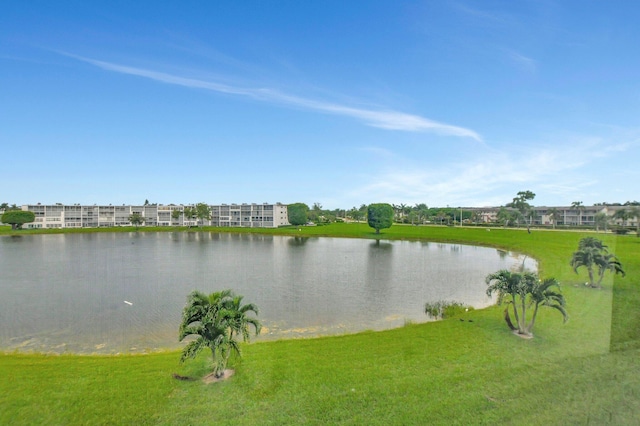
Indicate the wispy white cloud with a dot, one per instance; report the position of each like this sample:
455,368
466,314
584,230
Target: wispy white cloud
379,152
493,17
524,62
558,172
384,119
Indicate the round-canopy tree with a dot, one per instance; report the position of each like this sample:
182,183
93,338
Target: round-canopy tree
175,215
136,219
297,213
203,212
17,218
380,216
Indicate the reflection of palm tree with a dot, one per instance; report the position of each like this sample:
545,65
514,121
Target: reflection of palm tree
592,242
608,262
592,253
585,257
297,241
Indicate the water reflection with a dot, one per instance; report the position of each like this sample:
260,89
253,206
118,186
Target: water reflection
297,241
108,292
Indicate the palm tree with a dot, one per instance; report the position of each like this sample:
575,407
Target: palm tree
405,210
396,212
623,215
547,293
554,215
239,322
601,219
505,283
577,205
423,211
505,215
215,319
526,290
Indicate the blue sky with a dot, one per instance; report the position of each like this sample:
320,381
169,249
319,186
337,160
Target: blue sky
459,103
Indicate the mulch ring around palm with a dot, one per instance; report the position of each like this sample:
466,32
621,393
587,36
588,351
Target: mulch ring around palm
211,378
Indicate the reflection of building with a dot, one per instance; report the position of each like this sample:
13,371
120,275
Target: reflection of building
570,216
77,216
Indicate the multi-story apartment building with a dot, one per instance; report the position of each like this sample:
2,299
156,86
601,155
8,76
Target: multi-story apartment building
232,215
568,216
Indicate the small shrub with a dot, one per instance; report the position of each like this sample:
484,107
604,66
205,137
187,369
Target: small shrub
455,309
445,309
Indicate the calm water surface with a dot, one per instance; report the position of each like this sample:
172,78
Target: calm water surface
67,293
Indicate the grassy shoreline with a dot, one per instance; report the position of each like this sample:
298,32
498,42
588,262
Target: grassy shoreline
449,372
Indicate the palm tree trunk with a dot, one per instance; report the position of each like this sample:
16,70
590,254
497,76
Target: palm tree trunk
507,318
228,355
515,310
591,280
213,358
533,319
522,328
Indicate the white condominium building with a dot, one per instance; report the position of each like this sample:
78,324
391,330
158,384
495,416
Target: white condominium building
226,215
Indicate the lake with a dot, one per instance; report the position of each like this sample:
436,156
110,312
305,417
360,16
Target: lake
124,292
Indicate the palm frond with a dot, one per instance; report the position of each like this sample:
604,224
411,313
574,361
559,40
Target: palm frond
190,329
193,348
561,309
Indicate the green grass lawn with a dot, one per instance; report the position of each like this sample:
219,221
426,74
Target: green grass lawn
449,372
